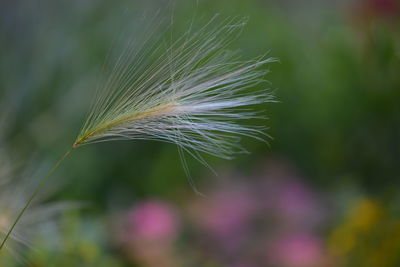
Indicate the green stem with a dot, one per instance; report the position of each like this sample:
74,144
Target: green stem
38,188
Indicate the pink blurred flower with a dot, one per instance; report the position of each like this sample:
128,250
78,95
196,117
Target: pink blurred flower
297,205
368,10
224,218
288,198
384,6
151,228
243,264
153,220
226,213
297,250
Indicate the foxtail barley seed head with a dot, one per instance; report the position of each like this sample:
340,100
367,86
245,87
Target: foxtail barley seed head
193,93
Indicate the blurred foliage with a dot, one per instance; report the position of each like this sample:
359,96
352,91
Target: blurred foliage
337,120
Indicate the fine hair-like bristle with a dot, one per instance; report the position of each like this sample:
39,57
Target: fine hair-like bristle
193,94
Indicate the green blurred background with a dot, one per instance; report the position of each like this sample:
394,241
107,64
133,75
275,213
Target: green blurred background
335,134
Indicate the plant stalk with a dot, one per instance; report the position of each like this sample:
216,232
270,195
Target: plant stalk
37,190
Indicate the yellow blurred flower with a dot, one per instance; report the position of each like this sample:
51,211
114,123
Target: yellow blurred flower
369,236
342,240
365,214
89,251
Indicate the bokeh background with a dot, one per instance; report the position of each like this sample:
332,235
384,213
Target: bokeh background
323,192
